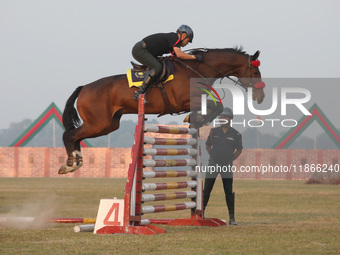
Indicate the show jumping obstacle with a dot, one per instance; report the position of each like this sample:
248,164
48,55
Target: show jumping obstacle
135,187
17,219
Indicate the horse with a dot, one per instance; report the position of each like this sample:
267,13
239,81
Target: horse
102,103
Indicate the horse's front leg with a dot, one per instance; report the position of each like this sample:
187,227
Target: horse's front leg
212,112
197,119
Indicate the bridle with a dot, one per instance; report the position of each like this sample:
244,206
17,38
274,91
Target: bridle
251,84
224,75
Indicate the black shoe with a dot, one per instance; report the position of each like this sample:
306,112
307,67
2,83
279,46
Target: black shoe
136,97
232,220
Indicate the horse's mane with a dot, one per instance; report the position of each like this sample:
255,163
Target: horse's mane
236,49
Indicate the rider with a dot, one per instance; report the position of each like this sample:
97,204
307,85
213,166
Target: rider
147,50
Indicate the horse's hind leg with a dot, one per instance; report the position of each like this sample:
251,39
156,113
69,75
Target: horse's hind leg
77,156
75,159
73,137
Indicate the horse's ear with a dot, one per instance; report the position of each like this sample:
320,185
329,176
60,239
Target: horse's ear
256,55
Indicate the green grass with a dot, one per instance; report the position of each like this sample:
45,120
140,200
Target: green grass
275,217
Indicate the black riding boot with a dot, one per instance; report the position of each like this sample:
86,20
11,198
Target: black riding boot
149,78
230,199
205,202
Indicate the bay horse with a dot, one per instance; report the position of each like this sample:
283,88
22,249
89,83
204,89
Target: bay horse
102,103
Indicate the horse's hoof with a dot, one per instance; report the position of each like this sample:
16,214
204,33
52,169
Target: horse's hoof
76,168
65,169
187,118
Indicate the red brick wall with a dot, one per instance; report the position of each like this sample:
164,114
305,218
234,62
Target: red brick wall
113,162
45,162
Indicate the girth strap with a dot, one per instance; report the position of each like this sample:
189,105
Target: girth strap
168,109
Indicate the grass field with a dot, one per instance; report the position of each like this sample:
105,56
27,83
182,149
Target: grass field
275,217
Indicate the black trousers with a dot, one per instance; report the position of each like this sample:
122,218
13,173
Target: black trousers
142,55
210,178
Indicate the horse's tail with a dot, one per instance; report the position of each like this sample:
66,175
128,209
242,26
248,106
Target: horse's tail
70,116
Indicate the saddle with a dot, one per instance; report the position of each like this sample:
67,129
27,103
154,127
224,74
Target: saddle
138,72
136,76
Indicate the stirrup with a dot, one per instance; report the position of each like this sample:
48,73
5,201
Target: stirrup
136,97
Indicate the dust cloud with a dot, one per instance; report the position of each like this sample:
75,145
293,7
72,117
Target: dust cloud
35,213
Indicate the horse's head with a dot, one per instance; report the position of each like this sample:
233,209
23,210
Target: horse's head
250,77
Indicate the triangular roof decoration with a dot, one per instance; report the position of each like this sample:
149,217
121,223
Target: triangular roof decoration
52,112
304,122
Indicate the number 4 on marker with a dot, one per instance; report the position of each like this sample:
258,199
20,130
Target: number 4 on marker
113,210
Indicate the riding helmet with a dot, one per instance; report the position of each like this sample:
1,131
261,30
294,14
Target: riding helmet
186,29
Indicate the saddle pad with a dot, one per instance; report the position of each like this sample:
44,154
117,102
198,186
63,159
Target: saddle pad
135,78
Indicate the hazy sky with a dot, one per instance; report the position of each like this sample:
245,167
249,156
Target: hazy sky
48,48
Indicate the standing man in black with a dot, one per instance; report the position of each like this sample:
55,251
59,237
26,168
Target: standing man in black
147,50
224,145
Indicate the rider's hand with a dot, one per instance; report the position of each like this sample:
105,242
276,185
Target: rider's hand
199,58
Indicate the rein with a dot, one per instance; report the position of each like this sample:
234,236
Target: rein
224,75
189,67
